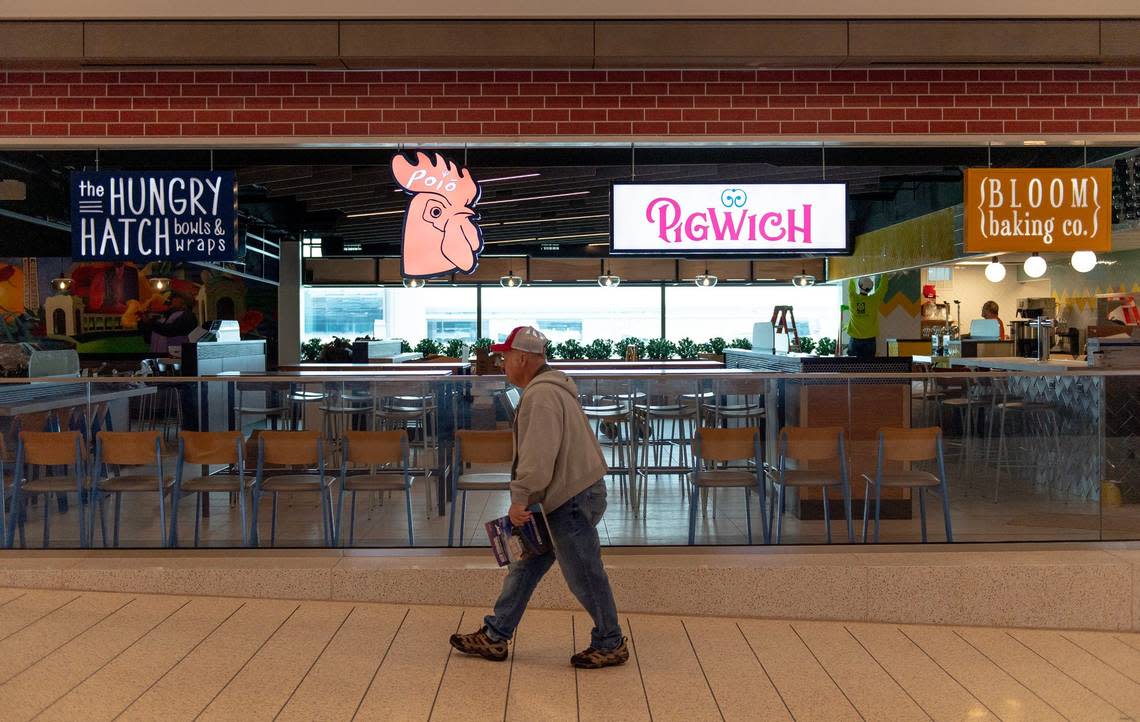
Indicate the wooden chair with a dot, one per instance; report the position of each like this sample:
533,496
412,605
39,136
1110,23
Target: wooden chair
291,448
820,444
208,448
477,447
722,446
374,448
132,449
48,449
908,445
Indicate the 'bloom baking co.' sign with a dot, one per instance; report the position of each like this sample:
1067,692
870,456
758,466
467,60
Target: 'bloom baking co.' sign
150,216
686,219
1038,209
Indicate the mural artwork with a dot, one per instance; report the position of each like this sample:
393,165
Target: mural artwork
440,234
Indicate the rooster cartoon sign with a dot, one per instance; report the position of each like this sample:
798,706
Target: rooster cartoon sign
440,232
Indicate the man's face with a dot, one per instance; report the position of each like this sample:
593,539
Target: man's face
516,365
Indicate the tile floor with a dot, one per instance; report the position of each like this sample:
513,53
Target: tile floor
100,656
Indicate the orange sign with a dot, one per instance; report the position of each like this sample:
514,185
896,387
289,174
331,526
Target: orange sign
1038,209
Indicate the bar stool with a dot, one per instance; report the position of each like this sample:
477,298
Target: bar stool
48,449
412,414
299,398
343,410
374,449
613,427
208,448
721,446
1038,420
127,448
265,406
818,444
291,448
477,447
908,446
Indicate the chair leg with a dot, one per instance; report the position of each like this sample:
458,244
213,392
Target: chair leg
273,523
241,515
462,516
826,513
408,508
254,516
47,521
451,518
780,514
847,512
326,516
866,508
693,514
748,511
352,519
922,511
118,514
946,513
172,536
197,518
878,509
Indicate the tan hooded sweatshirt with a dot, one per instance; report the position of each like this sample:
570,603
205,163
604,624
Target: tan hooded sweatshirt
556,452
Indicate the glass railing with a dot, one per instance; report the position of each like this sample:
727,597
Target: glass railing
692,456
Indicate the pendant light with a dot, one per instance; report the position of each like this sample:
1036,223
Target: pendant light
607,279
803,279
62,284
414,282
510,280
1035,266
159,284
995,272
1083,261
706,279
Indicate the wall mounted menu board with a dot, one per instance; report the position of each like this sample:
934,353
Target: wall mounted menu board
725,219
149,216
1038,209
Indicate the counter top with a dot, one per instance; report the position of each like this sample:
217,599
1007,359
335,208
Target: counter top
1016,363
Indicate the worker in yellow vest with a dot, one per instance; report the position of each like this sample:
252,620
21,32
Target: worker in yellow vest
864,299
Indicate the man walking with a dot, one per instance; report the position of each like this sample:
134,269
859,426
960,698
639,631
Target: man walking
559,464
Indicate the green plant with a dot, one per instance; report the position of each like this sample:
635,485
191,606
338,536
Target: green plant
716,345
571,350
453,347
428,347
311,350
704,348
807,344
631,341
339,350
660,349
599,349
482,344
405,347
741,343
825,346
687,348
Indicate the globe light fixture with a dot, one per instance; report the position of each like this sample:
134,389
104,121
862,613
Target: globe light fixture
803,279
61,284
159,284
706,279
510,280
1083,261
414,283
1035,266
608,280
995,272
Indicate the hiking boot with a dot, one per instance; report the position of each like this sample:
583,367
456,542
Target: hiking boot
591,658
480,644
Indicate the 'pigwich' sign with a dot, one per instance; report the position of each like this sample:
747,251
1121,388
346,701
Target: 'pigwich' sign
1038,209
151,216
691,219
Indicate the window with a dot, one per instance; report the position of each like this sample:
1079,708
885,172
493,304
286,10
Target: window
408,313
347,312
730,311
582,313
446,329
310,247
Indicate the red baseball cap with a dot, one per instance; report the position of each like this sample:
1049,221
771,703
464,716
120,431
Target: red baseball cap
522,338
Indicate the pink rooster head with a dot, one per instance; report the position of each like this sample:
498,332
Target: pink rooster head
440,234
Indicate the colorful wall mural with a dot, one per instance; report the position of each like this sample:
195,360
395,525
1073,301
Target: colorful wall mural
114,308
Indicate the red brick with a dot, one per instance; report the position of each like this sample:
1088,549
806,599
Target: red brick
960,113
1127,126
49,90
1086,100
631,114
935,101
25,116
350,128
798,88
924,114
176,77
575,128
275,128
137,116
434,115
886,114
199,129
1092,88
886,75
1035,74
799,127
1046,101
686,88
770,76
1096,126
538,128
551,114
100,116
1001,74
532,102
787,101
162,129
961,74
49,129
1059,126
350,89
312,128
948,126
162,91
687,128
737,114
266,116
232,129
923,74
849,114
984,126
613,128
998,113
1064,88
591,115
700,114
399,128
837,127
973,100
811,114
343,103
775,114
481,102
326,116
861,101
15,129
1122,100
750,101
311,89
63,77
910,88
201,76
501,128
1021,88
635,101
873,88
1011,101
76,103
898,101
1108,74
124,90
37,103
87,129
700,76
517,114
410,102
1035,114
762,128
251,76
1070,74
204,90
448,102
761,88
651,128
1022,126
66,116
288,76
711,101
824,101
1071,113
263,103
726,76
537,89
198,103
664,101
610,89
985,88
1108,113
175,116
836,88
77,90
1130,86
554,76
666,114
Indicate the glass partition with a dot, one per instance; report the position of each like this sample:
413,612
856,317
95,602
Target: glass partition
413,458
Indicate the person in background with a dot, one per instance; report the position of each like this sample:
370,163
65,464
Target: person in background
990,311
865,297
171,328
559,464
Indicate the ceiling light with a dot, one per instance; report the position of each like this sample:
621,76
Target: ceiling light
414,282
1035,266
510,280
508,177
608,280
706,279
1083,261
533,198
373,213
803,279
159,284
61,284
995,272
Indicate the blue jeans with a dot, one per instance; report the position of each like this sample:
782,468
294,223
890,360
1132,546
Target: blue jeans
861,347
579,555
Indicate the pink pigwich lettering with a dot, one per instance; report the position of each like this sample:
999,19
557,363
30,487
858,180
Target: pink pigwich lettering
673,225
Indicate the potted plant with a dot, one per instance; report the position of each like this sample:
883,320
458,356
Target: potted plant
599,349
571,350
453,347
339,350
825,347
660,349
687,348
484,361
713,349
623,348
428,347
741,343
807,344
311,350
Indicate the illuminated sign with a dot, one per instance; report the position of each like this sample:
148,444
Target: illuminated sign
1038,209
690,219
440,235
181,216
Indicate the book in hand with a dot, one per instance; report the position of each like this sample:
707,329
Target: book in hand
510,543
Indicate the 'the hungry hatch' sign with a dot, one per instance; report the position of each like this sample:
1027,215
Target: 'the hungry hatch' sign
149,216
686,219
1038,209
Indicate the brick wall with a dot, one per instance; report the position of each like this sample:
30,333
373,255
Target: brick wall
416,104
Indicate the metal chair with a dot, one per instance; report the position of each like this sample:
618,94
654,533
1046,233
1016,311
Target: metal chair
264,406
477,447
133,449
47,449
291,448
908,445
208,448
374,448
818,444
723,446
